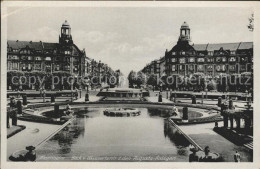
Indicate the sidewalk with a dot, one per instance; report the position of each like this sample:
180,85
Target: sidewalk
14,130
204,135
31,135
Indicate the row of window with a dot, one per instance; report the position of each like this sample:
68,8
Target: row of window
218,68
209,60
210,53
23,57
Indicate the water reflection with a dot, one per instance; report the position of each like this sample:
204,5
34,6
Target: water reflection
92,134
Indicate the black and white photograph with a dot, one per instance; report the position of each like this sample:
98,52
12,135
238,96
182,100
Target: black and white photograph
170,84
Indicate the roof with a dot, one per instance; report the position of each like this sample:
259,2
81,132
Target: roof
184,25
22,44
246,45
225,46
47,45
66,24
200,47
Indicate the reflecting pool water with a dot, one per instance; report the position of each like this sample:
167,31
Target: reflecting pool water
92,136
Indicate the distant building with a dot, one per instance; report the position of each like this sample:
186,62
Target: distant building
210,59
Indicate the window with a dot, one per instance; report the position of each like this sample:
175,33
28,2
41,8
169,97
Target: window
48,58
201,60
37,66
224,59
233,52
173,68
191,67
182,53
223,67
15,66
200,68
232,59
57,67
232,67
209,67
173,59
210,53
218,59
191,60
209,60
182,60
173,53
181,67
30,58
38,58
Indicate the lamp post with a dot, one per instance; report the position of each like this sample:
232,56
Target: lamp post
167,96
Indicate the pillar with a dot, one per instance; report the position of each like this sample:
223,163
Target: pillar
219,101
231,118
7,122
185,114
19,107
14,119
193,99
52,98
230,104
56,109
202,97
238,122
225,120
86,97
25,100
160,97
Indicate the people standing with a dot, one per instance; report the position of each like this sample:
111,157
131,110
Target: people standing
237,157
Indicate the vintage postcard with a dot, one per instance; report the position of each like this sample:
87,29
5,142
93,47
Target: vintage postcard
129,85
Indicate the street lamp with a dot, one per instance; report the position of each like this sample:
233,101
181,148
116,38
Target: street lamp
167,92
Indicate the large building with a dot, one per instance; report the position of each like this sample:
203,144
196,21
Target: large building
45,56
211,59
52,57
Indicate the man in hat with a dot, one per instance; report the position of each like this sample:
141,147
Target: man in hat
31,154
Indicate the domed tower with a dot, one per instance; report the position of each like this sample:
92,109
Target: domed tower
65,37
184,32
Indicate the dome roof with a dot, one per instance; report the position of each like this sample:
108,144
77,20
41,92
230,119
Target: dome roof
185,25
66,24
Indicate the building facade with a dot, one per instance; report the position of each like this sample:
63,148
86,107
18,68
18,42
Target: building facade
52,57
211,59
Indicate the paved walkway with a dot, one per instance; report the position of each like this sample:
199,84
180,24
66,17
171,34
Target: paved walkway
31,135
204,135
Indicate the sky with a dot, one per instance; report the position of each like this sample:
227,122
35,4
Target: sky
127,38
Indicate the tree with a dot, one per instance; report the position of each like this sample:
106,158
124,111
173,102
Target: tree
251,23
152,80
13,79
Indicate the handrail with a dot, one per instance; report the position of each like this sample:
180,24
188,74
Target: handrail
185,135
